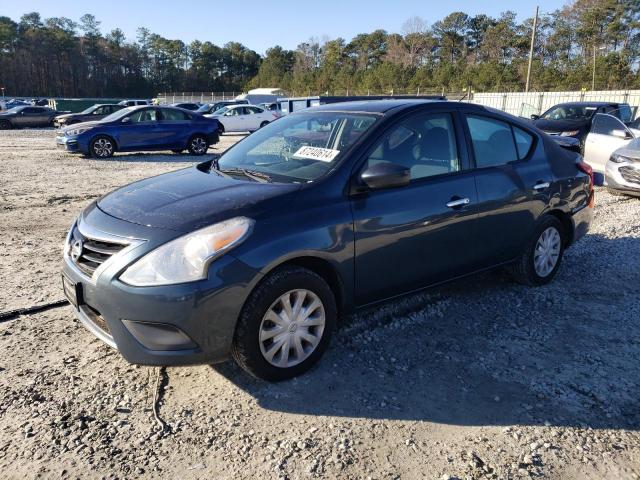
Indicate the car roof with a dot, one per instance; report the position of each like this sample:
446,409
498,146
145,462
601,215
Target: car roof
377,106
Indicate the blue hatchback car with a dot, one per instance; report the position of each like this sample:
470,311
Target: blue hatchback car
141,128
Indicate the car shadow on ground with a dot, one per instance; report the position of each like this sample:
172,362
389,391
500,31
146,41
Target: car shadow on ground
484,351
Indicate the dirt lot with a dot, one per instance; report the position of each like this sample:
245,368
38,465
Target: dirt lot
478,379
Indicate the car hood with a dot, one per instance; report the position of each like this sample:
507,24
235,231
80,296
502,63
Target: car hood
81,125
559,125
630,150
192,198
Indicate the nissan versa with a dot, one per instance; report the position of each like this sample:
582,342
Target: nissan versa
329,209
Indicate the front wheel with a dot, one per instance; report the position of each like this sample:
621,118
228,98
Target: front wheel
102,147
264,123
540,261
198,145
285,325
5,125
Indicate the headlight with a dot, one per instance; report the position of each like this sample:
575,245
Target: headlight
570,133
77,131
187,258
615,158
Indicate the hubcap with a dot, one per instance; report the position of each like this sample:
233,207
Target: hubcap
292,328
102,147
199,145
547,252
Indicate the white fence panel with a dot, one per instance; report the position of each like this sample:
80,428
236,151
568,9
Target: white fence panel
524,104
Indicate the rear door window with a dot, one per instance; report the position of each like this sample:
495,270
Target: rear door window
170,115
496,142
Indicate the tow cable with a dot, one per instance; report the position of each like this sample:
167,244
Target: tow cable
11,314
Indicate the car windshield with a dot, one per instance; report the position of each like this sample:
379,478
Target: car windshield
221,111
569,112
299,148
118,114
204,108
87,111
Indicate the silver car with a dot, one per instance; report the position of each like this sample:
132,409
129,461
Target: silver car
612,149
622,170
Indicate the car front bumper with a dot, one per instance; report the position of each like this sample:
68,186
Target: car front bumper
623,177
70,144
180,324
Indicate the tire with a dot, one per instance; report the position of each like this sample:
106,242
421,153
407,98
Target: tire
102,147
220,129
264,123
531,269
5,125
296,283
198,145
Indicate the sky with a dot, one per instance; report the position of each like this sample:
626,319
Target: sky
263,24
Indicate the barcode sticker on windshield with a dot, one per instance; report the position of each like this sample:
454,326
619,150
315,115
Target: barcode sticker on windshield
317,153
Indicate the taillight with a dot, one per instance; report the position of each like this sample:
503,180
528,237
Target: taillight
586,168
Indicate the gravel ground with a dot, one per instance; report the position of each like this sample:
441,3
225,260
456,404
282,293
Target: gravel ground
478,379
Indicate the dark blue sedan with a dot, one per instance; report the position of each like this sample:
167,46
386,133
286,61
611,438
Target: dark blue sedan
141,128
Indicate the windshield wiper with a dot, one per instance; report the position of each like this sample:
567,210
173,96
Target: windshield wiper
252,174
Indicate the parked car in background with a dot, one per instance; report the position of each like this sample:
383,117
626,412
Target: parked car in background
141,128
242,118
187,106
209,108
622,170
329,209
573,119
611,150
133,103
272,107
28,116
93,113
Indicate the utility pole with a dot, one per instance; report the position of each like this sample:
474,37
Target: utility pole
533,42
593,78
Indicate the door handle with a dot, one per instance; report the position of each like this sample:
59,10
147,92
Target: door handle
458,202
541,185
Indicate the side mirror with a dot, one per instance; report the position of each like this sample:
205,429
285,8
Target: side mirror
386,175
535,117
126,120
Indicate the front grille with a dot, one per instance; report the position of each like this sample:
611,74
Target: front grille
93,252
96,318
630,174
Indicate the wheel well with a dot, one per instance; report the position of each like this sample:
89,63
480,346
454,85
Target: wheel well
566,222
115,144
328,273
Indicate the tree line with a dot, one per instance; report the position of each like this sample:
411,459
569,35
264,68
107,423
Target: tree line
60,57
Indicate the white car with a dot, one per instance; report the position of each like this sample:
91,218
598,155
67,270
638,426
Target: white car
242,118
606,135
612,149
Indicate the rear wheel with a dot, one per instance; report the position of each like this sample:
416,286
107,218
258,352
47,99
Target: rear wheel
5,125
198,145
285,325
540,261
102,147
